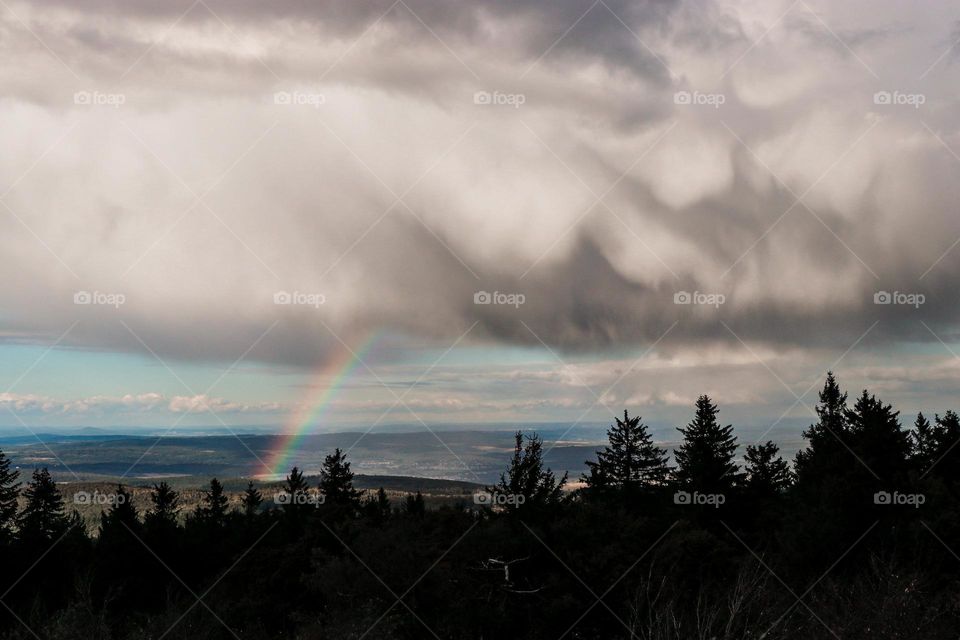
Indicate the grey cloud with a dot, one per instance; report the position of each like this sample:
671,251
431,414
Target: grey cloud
304,209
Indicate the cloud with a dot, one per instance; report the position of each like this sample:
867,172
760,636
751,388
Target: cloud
382,185
131,404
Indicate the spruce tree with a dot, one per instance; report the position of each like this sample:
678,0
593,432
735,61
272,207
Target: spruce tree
121,518
526,483
166,506
767,474
881,445
295,490
382,502
213,505
946,458
826,454
414,505
252,499
923,441
9,492
705,459
336,481
42,518
377,507
630,461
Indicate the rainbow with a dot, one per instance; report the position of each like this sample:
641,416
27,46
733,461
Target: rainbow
323,388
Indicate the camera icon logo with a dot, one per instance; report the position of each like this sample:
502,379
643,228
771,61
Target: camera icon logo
882,97
681,497
82,297
282,297
682,97
881,497
882,297
682,297
82,97
482,297
482,498
482,97
282,97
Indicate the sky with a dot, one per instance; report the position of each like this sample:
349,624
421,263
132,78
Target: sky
324,214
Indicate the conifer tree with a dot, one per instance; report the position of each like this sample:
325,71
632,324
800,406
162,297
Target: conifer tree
767,474
527,478
42,518
121,518
252,499
295,482
923,441
213,505
295,490
336,481
630,461
881,445
377,506
705,459
382,502
9,492
826,454
414,505
166,506
946,458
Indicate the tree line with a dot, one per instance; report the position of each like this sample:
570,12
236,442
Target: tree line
851,539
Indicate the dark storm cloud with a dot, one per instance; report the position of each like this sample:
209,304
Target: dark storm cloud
498,197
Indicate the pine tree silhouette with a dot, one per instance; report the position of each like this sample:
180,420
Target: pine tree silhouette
923,440
946,458
826,454
336,481
166,507
121,518
213,505
705,458
42,518
252,499
9,492
630,461
295,490
414,505
377,507
295,482
527,478
880,443
767,474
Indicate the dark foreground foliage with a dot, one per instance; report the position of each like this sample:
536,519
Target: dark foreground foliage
853,540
